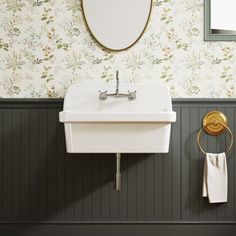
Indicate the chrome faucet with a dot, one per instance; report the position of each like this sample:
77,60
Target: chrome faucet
103,95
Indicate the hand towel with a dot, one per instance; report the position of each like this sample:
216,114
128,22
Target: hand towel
215,178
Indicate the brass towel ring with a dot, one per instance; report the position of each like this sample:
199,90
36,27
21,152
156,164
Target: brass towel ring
215,123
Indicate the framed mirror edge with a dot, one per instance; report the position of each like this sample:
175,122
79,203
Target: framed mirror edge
111,49
208,36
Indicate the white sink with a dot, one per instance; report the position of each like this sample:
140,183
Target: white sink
117,125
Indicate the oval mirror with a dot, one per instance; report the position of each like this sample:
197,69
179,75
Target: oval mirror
116,24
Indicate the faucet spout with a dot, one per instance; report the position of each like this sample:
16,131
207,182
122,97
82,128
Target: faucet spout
117,82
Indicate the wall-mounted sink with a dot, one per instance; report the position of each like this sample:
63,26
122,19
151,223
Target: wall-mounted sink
117,124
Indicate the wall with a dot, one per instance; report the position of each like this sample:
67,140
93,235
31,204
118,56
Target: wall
44,189
44,47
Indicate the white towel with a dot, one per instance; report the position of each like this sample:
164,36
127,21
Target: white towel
215,178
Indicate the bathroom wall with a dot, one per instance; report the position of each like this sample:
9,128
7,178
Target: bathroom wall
45,191
44,47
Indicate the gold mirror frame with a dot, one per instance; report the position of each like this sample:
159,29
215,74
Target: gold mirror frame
110,49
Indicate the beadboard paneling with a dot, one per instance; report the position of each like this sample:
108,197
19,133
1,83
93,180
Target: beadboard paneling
40,182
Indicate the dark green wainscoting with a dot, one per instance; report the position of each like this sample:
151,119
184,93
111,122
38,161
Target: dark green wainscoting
44,191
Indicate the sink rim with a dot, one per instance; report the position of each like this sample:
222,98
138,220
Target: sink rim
117,116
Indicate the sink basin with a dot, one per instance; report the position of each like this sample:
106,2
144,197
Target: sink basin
117,125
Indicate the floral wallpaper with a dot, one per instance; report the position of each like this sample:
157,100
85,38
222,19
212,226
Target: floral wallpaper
45,47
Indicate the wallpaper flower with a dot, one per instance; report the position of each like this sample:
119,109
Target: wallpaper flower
45,47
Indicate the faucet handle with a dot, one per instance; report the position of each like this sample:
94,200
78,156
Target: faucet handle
132,95
102,95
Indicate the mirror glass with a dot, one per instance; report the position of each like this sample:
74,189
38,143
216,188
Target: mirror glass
220,20
116,24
